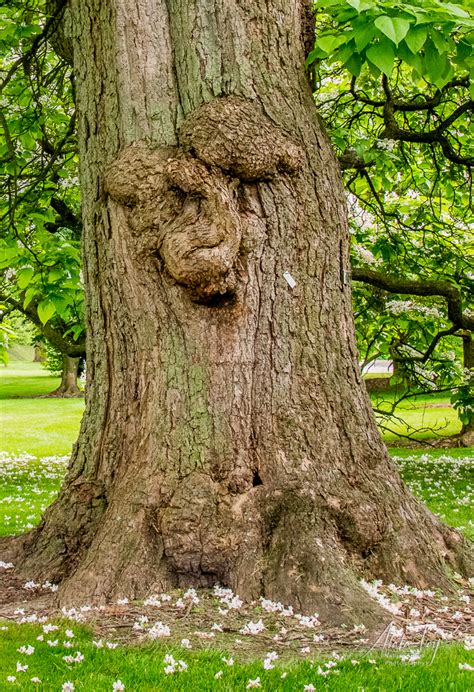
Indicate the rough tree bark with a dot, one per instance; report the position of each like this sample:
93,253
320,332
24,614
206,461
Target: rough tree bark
69,374
228,436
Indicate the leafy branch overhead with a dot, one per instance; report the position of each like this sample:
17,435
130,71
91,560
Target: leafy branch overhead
39,193
393,82
385,46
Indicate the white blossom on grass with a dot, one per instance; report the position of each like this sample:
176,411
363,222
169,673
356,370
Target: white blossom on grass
309,621
78,658
227,598
191,595
173,666
253,683
253,627
118,686
27,650
159,630
140,623
21,668
49,628
68,687
469,643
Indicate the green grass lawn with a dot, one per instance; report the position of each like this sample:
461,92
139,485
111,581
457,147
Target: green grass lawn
143,667
444,480
37,426
425,416
20,379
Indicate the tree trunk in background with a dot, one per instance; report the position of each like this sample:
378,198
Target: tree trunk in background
467,431
69,375
39,354
228,436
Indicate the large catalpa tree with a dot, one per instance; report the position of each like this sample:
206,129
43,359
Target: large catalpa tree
227,436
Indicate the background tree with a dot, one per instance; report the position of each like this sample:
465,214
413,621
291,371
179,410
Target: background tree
39,195
228,435
394,88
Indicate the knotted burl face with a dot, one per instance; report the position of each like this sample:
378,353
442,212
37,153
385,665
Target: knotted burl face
183,200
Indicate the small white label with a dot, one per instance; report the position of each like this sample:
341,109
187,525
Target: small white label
289,279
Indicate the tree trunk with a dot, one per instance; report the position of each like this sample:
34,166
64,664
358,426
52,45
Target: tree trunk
39,353
467,432
69,375
228,436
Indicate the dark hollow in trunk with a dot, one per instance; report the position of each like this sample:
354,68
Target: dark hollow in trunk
228,436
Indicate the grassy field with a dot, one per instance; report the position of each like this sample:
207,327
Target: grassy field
143,668
425,416
36,437
33,425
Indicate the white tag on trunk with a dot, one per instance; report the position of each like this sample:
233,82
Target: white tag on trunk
289,279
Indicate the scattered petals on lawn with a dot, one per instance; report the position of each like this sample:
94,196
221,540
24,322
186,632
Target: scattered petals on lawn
444,483
253,683
27,486
27,650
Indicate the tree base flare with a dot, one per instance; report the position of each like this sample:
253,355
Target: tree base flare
278,545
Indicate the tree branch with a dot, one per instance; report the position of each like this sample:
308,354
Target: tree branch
74,349
440,288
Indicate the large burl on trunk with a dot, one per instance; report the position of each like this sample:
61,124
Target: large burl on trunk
228,436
